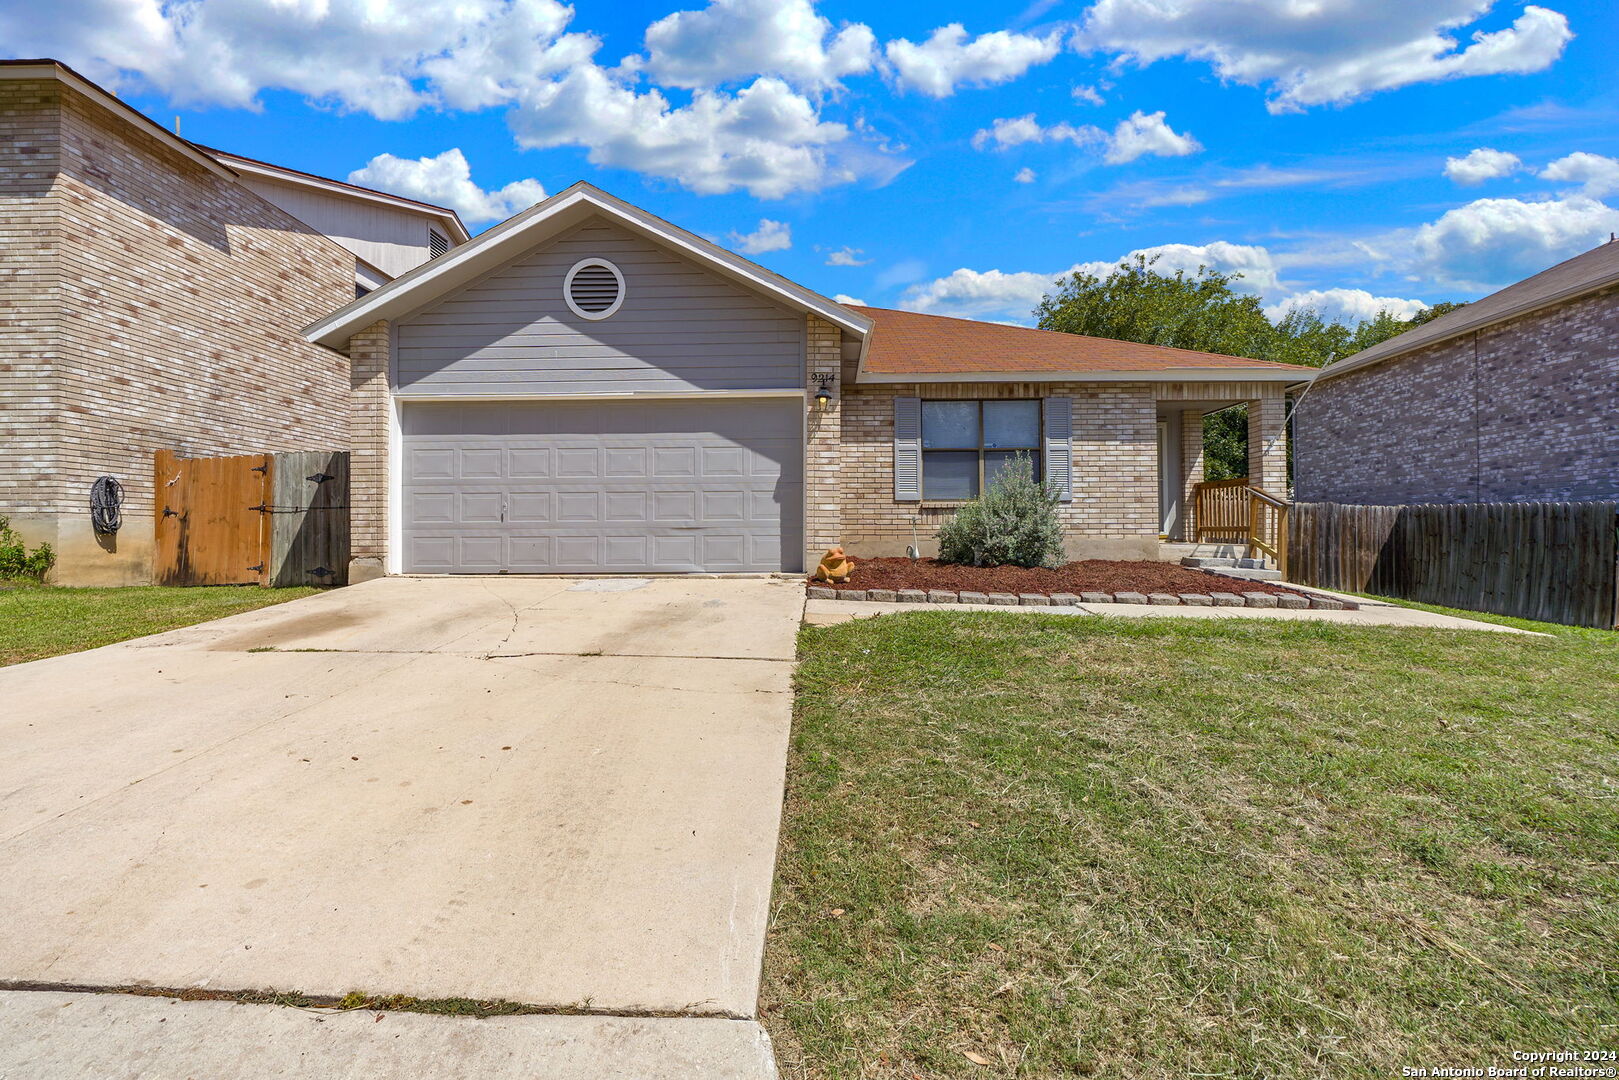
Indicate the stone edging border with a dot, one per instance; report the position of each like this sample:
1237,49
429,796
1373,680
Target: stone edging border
1293,601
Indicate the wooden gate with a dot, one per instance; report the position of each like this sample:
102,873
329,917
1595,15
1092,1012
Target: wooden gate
255,519
210,530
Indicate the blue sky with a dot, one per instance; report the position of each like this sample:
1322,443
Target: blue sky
941,156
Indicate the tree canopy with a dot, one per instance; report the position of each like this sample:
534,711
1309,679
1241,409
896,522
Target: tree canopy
1203,311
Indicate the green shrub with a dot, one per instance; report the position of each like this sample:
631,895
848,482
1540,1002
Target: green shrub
16,561
1014,523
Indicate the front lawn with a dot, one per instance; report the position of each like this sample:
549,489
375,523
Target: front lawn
1028,845
43,620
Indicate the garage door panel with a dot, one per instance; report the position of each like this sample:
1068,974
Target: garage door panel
625,462
579,488
625,507
529,507
481,554
528,462
674,462
485,463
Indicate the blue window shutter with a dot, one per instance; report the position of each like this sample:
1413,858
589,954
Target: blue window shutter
1059,413
907,449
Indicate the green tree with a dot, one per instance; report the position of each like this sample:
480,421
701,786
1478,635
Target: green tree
1203,311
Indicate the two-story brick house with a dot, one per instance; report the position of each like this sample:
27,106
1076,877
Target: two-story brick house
1513,398
151,293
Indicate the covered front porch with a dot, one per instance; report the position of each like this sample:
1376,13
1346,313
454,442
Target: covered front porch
1231,517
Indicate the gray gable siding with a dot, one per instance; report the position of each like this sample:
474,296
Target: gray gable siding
681,327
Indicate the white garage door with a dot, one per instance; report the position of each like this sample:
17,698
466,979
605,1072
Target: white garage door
627,487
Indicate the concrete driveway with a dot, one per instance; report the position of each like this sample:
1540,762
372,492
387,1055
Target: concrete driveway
554,791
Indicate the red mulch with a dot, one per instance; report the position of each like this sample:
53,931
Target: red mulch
1089,575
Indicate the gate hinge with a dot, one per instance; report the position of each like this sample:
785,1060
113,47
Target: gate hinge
321,571
320,478
261,468
257,568
170,512
262,508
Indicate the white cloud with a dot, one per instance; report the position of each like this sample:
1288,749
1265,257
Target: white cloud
1327,51
769,236
737,39
446,180
1147,134
765,138
1348,306
1024,176
1490,243
392,59
1481,165
1141,135
389,60
1597,175
1087,95
847,256
998,293
947,59
845,298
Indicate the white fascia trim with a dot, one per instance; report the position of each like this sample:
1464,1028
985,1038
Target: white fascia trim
118,108
1160,375
287,176
414,289
609,395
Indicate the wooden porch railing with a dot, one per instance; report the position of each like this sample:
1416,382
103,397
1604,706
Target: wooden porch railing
1236,511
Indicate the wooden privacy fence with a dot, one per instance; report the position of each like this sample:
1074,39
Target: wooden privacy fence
1552,561
254,519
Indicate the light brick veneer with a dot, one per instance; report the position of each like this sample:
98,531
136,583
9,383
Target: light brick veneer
1525,410
368,461
1115,467
823,506
153,304
1191,450
1267,445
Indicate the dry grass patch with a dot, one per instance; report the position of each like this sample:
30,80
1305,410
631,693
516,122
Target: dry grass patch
1069,846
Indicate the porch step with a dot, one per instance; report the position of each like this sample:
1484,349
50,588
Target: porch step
1247,573
1207,563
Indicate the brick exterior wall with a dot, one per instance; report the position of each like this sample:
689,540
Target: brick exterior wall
369,351
1115,467
171,321
30,305
1191,473
823,432
1267,445
1523,411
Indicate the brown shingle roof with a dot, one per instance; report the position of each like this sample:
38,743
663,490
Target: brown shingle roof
909,343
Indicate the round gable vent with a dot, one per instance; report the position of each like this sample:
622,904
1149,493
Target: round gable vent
594,288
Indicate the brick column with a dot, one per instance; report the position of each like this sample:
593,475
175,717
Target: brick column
368,458
1191,469
823,450
1268,470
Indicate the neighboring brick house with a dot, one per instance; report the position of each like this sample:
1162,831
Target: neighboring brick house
151,295
588,388
1512,398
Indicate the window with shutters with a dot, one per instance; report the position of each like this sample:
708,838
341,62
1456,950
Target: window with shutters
594,289
966,444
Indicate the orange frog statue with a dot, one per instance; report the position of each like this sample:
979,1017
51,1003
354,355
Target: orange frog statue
835,566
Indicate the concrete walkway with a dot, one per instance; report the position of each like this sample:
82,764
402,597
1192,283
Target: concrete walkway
116,1037
559,792
1371,613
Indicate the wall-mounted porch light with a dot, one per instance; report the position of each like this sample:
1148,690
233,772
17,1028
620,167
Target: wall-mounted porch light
823,392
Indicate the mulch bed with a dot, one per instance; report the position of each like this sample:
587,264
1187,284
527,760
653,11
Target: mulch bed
1088,575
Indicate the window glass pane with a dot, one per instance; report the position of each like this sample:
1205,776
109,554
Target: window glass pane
949,424
996,460
1012,423
950,475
